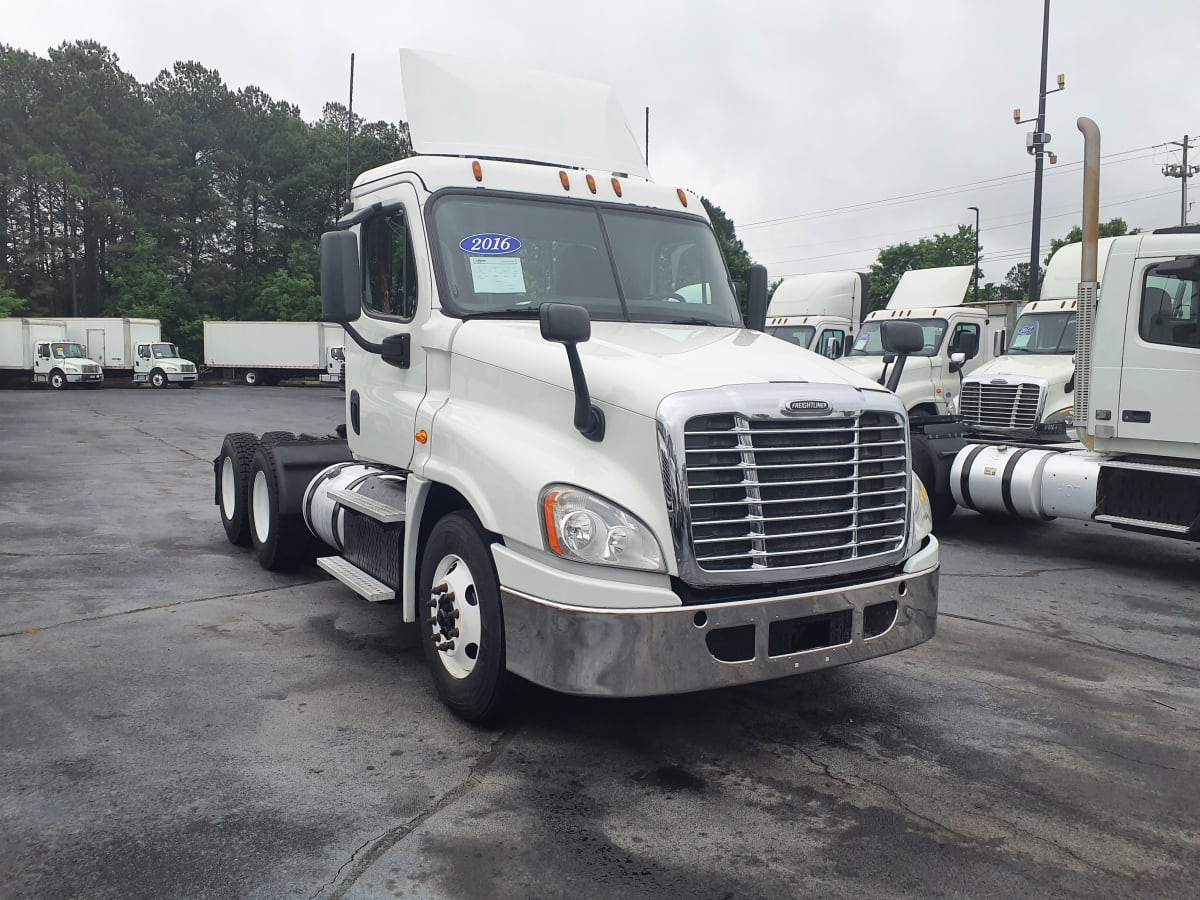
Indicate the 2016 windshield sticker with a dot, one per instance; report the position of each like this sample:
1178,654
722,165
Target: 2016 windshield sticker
1027,329
490,244
497,276
863,337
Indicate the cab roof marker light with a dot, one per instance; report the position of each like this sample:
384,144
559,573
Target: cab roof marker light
682,196
616,184
591,183
477,170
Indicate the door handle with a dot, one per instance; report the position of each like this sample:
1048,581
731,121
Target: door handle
1139,416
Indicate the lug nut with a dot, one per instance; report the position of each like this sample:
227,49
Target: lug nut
446,645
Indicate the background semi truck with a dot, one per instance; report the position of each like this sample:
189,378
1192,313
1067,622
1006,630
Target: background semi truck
133,348
38,350
1028,393
268,352
821,311
563,453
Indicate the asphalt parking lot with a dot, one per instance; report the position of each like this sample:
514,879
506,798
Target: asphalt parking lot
177,722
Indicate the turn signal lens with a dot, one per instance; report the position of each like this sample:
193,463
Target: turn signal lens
422,436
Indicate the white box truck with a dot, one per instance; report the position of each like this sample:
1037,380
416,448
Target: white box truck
268,352
39,349
820,311
134,348
564,453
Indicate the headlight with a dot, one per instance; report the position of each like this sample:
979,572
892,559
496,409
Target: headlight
171,368
581,526
922,512
1065,416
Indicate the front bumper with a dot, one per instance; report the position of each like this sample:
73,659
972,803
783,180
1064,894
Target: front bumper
85,377
671,650
176,377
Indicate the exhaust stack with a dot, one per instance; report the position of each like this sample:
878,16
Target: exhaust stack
1087,279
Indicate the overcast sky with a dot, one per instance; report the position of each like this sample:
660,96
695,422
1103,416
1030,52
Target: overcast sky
773,110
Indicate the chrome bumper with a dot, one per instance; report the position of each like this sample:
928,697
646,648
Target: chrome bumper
643,652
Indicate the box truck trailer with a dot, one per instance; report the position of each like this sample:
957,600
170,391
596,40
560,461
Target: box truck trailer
268,352
39,350
133,348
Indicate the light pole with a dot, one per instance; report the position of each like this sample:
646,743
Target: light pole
976,273
1035,145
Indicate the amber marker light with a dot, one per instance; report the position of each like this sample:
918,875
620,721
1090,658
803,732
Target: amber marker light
591,183
549,505
422,436
477,170
616,183
566,181
682,196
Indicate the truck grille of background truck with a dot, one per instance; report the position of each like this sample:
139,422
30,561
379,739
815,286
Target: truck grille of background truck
782,493
1000,405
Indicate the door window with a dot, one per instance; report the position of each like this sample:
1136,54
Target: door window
1169,310
389,267
956,339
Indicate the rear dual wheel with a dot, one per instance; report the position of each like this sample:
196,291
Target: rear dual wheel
280,541
233,478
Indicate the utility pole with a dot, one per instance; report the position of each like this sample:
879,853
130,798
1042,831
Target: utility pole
1035,145
350,131
647,136
1183,172
976,272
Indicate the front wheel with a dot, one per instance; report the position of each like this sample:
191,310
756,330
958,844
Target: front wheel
57,380
251,377
158,379
463,628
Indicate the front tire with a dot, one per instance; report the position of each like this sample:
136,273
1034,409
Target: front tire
251,377
57,381
458,596
233,474
279,541
158,379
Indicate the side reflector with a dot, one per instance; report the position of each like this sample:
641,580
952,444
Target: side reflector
477,170
422,436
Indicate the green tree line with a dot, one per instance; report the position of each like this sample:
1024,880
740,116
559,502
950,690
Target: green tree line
181,199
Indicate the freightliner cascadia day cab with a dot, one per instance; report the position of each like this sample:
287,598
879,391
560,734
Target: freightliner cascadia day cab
957,339
821,311
564,454
1028,393
133,348
39,349
1137,377
268,352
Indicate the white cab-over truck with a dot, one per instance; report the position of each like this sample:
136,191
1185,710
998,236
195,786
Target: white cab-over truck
39,349
268,352
1137,375
957,339
1028,393
564,455
133,348
821,311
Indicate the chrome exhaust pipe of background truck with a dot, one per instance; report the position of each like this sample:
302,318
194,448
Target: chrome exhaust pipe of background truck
1086,314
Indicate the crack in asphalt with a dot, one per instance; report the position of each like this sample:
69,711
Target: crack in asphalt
1135,761
378,846
1093,644
37,629
152,436
1029,573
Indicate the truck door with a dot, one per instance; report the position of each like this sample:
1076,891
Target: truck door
41,358
141,362
95,345
1160,376
397,300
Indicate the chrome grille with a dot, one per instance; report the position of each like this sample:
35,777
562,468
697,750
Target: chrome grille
767,493
1001,405
90,369
187,367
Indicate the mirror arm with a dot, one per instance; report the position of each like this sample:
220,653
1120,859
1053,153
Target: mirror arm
589,419
893,381
377,349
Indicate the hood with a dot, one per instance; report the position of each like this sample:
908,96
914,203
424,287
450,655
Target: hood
635,365
1054,367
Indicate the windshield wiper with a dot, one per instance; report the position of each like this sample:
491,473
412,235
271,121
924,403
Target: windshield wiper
695,321
1019,350
515,312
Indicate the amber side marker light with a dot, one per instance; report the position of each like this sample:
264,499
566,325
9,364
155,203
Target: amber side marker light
566,181
549,505
422,436
591,183
682,196
477,170
616,183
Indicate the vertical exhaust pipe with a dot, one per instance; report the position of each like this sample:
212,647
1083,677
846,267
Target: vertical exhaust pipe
1087,280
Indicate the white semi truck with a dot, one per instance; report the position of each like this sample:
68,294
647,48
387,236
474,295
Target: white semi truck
133,348
563,454
268,352
39,349
1137,364
957,339
1028,393
820,311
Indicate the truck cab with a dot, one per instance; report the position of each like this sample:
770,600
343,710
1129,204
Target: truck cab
821,311
957,339
63,363
1028,392
159,364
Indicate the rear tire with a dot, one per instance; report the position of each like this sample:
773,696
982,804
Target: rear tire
462,624
275,437
279,541
233,474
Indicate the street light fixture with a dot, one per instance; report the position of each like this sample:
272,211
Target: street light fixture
976,272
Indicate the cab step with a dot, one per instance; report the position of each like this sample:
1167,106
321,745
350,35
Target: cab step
369,507
356,579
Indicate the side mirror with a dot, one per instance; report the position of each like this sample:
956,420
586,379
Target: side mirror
902,338
569,325
341,280
968,344
756,299
998,347
957,361
831,350
1184,267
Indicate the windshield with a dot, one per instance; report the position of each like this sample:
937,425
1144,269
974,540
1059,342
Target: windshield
164,351
800,335
870,341
505,256
67,351
1044,333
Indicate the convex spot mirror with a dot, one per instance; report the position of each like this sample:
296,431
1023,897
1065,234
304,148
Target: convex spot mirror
957,361
901,338
341,282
